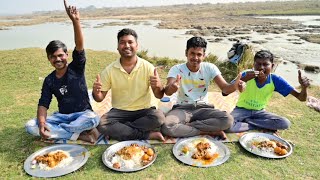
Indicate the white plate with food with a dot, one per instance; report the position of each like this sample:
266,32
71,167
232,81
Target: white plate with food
266,145
56,160
129,156
201,151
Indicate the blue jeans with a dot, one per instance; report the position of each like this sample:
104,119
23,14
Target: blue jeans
245,120
65,126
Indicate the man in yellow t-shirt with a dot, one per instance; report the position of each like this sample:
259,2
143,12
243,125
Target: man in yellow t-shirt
134,83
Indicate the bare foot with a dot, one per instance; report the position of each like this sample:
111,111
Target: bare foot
156,136
94,132
90,136
221,134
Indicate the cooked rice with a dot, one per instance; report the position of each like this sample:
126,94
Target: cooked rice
192,146
256,140
61,164
133,162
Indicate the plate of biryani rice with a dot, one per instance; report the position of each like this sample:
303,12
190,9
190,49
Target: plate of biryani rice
201,151
56,160
266,145
129,156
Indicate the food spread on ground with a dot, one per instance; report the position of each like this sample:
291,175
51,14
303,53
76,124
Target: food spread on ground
53,159
201,150
267,145
133,156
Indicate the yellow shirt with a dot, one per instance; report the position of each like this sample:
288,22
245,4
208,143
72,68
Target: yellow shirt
132,91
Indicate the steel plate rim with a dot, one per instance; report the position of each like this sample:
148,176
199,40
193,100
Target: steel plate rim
241,141
27,162
123,144
215,163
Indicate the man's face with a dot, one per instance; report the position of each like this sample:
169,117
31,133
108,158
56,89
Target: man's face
195,56
58,59
127,46
264,66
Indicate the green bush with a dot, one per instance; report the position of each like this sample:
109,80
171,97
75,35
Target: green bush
229,70
159,61
143,54
211,58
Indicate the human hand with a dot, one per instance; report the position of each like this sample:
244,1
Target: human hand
97,85
176,84
241,85
262,75
303,80
72,12
155,81
252,74
43,129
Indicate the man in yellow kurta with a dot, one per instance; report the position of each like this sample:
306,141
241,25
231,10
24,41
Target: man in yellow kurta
134,83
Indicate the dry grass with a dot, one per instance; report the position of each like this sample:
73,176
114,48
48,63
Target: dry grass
187,16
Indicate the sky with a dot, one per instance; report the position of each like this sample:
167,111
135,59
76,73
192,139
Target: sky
13,7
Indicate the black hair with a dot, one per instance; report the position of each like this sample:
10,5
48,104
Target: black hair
54,45
196,42
127,31
264,54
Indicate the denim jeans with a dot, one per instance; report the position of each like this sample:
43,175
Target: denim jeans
65,126
245,120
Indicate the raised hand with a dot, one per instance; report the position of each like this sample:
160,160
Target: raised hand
72,12
176,84
155,81
303,80
262,75
240,85
74,15
252,74
97,93
97,85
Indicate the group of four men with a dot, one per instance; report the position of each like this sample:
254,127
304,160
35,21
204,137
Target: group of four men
135,85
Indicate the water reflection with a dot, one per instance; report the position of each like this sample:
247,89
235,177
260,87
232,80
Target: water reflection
159,42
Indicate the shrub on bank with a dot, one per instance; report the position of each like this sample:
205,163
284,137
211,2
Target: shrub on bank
229,70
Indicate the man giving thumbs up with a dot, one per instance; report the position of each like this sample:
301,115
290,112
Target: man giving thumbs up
250,112
134,83
192,115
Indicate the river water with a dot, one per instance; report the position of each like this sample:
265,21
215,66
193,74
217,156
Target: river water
166,42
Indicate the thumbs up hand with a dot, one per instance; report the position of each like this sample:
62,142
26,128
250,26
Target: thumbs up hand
97,85
155,81
240,85
176,84
173,85
303,80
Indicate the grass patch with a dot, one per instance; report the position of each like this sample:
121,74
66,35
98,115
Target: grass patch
22,74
